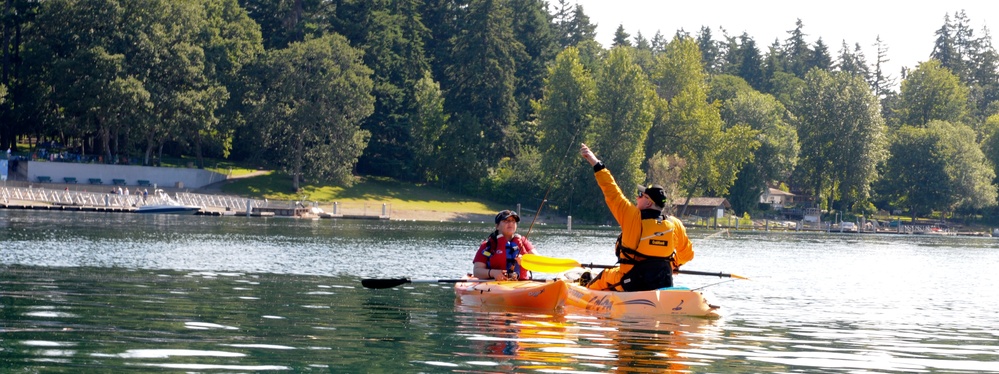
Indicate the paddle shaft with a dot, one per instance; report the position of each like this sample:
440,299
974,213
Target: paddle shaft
393,282
688,272
557,264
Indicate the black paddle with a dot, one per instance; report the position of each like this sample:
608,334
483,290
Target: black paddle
393,282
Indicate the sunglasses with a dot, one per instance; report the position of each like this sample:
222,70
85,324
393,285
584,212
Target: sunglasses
640,193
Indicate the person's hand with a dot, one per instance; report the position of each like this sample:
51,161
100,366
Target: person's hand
588,155
497,274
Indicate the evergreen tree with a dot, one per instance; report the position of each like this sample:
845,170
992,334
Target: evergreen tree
820,57
580,28
621,37
658,43
532,27
750,62
710,51
853,62
795,53
945,47
482,73
985,75
391,34
445,19
286,21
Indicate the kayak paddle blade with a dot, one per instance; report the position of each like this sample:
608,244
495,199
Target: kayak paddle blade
544,264
383,283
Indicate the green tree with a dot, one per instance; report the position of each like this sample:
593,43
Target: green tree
693,129
16,16
931,92
482,72
777,155
231,40
621,37
710,51
853,62
313,98
430,123
531,26
842,137
391,34
564,114
820,57
990,141
915,177
286,21
881,81
795,54
623,116
938,167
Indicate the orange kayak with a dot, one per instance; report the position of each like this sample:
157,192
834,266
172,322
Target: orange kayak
549,295
674,301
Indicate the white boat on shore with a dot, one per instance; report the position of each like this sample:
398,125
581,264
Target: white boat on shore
164,204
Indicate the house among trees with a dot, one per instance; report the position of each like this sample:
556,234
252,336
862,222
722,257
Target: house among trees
777,199
707,207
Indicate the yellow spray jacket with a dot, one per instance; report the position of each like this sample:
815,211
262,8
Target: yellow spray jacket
629,217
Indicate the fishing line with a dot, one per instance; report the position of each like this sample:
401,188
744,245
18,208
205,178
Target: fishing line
713,284
552,183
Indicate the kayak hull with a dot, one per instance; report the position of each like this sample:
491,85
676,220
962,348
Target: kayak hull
665,302
550,295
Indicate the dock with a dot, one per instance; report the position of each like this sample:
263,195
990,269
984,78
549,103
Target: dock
35,198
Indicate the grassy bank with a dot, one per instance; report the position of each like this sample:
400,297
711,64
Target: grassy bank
402,196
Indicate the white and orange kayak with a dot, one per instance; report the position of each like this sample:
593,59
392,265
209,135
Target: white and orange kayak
664,302
547,295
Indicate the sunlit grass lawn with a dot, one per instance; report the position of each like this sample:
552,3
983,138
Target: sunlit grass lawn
277,186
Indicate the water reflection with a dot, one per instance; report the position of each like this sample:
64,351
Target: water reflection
576,342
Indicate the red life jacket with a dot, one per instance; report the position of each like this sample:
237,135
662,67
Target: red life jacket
495,252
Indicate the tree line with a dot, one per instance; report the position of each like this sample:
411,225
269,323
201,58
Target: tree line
492,97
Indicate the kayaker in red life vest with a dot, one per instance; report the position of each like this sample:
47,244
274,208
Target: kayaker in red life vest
498,256
651,246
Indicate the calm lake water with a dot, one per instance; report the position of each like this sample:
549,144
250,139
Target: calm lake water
113,292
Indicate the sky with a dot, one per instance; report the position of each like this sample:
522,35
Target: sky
906,27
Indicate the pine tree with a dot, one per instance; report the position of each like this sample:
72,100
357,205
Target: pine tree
621,37
881,81
795,52
482,77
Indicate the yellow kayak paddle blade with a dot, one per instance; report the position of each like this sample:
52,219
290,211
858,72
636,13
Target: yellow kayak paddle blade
544,264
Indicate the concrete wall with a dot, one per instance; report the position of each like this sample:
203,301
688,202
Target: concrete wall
162,177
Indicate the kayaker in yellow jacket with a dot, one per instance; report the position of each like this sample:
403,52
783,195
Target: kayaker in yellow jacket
651,246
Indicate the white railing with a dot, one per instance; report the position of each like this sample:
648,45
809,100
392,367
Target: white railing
106,199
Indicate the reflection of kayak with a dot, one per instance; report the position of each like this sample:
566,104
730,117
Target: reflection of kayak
550,295
675,301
